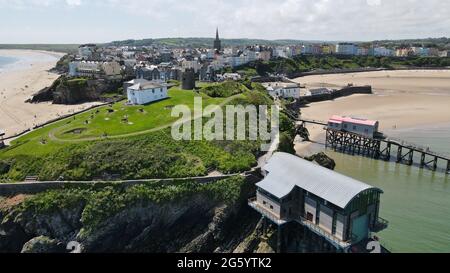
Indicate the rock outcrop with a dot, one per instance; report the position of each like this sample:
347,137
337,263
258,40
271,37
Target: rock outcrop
43,244
323,160
73,91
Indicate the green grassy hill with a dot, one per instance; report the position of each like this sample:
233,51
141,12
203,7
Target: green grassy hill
138,144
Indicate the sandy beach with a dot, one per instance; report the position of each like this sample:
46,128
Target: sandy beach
401,100
19,82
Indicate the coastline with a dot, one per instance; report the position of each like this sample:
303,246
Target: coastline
402,99
20,81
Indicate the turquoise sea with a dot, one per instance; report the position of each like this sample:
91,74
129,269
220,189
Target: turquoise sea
416,201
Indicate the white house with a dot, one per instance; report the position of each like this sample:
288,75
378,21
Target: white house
346,49
283,89
145,92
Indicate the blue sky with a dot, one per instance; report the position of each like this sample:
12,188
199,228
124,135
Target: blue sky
80,21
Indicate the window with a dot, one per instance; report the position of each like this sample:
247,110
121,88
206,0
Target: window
354,127
271,207
264,203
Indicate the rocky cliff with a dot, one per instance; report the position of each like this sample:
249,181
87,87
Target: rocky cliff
195,221
75,90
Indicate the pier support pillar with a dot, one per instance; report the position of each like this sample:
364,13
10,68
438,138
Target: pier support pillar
422,160
411,157
387,156
435,163
399,154
448,166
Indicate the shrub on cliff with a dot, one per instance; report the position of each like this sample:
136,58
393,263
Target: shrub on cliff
101,203
224,90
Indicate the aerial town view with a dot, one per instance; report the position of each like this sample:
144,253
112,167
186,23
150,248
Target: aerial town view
227,127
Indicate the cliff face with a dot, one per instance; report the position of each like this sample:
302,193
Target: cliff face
197,223
74,91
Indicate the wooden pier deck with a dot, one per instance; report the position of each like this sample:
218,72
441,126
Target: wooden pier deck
382,147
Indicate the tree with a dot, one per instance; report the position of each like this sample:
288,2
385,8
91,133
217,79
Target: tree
286,144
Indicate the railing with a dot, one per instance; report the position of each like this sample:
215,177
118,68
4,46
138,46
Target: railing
380,224
326,234
417,147
252,202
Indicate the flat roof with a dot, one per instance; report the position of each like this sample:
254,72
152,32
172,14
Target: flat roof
354,120
286,171
146,85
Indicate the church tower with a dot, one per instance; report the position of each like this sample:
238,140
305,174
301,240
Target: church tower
217,42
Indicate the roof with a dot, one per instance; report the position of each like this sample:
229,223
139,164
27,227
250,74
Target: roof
286,171
279,85
135,81
144,86
360,121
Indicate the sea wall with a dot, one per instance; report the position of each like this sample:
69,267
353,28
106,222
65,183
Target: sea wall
346,91
359,70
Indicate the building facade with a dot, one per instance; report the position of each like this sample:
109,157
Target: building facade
346,49
364,127
145,92
109,70
283,90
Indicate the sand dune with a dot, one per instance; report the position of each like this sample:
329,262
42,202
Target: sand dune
18,85
402,99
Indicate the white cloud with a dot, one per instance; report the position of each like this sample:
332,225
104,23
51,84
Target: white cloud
73,2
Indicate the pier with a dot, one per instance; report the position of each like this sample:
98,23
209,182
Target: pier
382,147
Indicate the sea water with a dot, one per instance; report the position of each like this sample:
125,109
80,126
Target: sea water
416,201
6,61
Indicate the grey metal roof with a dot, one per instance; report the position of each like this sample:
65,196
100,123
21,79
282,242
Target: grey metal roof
147,85
286,171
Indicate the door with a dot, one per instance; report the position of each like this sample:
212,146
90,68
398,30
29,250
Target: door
310,217
360,228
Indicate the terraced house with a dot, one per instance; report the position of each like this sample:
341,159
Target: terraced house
337,208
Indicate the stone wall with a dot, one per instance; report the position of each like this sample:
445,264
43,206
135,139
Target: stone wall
12,189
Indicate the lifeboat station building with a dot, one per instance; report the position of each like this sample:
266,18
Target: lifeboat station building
359,126
339,209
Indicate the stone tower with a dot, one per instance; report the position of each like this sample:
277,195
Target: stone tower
188,79
217,42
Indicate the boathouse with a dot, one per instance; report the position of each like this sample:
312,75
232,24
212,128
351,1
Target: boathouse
364,127
340,209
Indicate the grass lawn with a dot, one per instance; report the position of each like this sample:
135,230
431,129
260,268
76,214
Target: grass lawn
96,123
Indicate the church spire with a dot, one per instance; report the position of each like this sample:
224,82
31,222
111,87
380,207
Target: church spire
217,42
